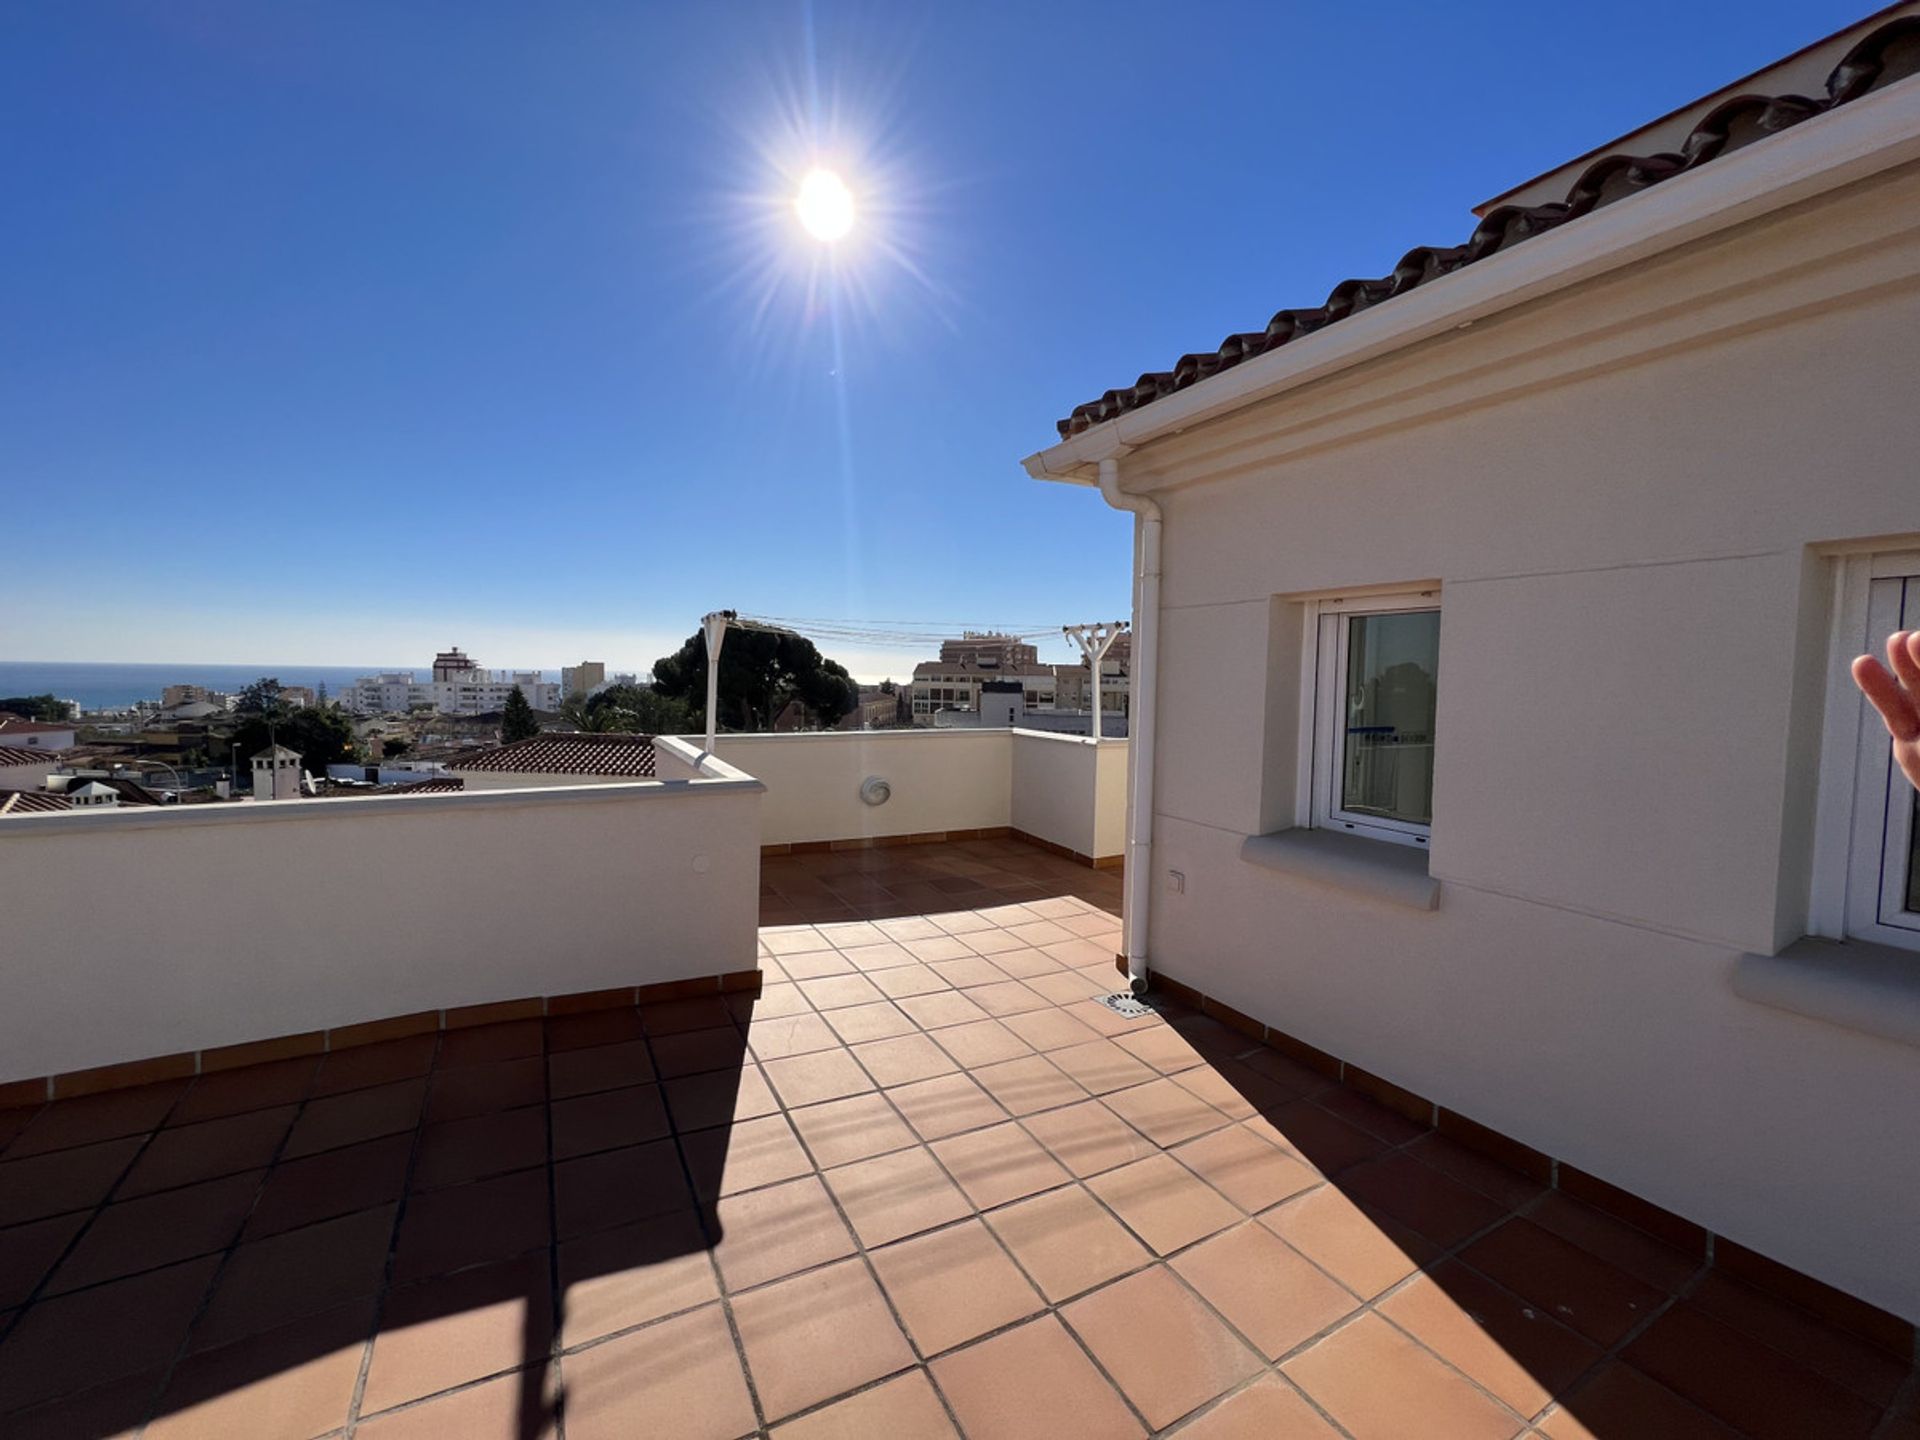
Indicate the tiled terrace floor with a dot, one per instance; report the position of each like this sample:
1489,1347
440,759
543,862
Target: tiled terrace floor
921,1186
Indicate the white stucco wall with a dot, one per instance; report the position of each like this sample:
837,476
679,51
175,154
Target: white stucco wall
1620,491
1056,790
132,934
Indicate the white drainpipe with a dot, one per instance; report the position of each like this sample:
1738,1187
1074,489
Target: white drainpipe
1141,706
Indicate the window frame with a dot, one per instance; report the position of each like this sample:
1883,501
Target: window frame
1323,653
1864,814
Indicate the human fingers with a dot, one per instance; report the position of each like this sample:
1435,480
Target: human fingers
1896,706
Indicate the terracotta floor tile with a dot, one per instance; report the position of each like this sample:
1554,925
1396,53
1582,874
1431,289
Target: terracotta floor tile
1381,1386
1510,1347
1572,1286
966,969
285,1384
483,1088
836,992
874,960
1756,1389
981,1043
462,1150
792,940
99,1335
824,1075
842,1131
272,1282
904,1408
779,1037
946,1106
89,1119
675,1016
940,1008
850,935
905,980
357,1115
1420,1197
1098,1064
745,1156
1031,965
356,1177
76,1179
765,1234
773,1000
28,1252
616,1279
719,1098
962,922
911,927
1474,1170
1088,1138
134,1235
1164,1112
1007,998
1163,1203
488,1220
816,964
999,1164
1622,1246
1368,1115
1067,1241
1168,1352
1032,1383
1267,1289
593,1029
1232,1089
817,1335
1365,1253
1028,1085
252,1087
520,1406
1865,1369
857,1024
360,1067
1160,1047
481,1044
618,1187
893,1196
902,1060
114,1411
1268,1409
693,1052
1040,932
1323,1139
607,1120
954,1285
444,1332
1251,1172
678,1380
1620,1401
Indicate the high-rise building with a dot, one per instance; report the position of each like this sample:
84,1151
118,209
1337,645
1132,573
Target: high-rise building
582,679
451,664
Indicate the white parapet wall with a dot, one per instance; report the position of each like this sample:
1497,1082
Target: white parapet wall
141,933
1060,788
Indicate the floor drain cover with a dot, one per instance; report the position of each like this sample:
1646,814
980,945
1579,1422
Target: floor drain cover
1125,1004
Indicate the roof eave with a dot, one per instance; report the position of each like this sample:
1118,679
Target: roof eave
1874,133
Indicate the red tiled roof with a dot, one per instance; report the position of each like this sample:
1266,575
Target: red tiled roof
15,755
451,785
1888,54
29,802
33,727
568,752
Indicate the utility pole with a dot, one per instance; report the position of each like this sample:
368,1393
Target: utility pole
715,626
1094,642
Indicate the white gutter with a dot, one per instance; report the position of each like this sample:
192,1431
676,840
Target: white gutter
1141,706
1862,138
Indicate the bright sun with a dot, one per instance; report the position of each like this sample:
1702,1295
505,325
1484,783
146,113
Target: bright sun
825,205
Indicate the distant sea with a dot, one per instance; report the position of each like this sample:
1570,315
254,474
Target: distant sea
102,687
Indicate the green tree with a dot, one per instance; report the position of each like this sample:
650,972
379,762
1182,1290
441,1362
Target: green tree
517,721
43,708
394,749
320,737
631,709
760,671
263,699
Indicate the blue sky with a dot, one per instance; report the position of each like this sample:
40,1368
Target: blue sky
352,330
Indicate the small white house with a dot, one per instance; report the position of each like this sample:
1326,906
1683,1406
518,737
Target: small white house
37,734
1523,581
25,768
277,774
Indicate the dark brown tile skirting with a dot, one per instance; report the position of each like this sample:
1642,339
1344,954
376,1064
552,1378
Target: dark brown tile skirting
936,837
187,1063
1835,1306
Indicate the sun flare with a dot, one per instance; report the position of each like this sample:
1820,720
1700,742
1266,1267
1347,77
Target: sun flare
824,205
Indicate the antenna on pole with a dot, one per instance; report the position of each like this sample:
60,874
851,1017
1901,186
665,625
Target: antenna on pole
1094,642
714,623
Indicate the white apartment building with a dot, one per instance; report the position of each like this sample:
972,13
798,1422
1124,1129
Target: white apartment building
462,689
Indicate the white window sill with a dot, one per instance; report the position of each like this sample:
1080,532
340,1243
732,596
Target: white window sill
1859,985
1374,868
